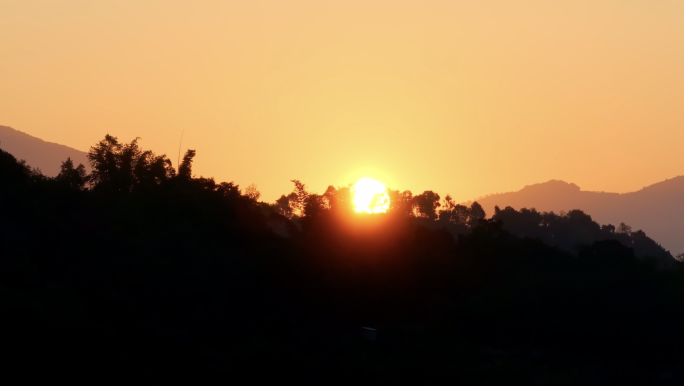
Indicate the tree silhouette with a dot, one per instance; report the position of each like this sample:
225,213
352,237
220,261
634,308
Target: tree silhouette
401,202
339,199
283,207
427,204
75,178
314,206
298,198
610,228
475,214
229,190
624,228
121,168
185,168
458,214
448,204
252,192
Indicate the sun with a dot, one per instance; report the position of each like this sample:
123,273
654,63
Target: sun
370,196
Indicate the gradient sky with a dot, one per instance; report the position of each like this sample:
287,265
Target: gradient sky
464,97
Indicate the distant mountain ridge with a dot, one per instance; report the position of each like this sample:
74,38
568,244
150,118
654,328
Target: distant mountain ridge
46,156
657,209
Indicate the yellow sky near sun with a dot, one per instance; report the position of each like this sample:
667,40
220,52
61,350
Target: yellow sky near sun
465,97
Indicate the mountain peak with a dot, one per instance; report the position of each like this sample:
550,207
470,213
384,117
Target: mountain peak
553,185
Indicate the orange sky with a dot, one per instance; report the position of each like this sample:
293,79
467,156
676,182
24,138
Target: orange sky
465,97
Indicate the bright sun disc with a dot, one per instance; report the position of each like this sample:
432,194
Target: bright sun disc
370,196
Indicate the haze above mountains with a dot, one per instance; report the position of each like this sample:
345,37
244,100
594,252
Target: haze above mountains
656,209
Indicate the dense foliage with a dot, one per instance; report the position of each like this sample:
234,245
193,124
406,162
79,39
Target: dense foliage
139,268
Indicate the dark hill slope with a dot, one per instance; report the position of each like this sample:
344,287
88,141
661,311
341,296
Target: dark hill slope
657,209
46,156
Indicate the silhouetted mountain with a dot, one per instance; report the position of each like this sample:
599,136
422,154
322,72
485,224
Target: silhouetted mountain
46,156
657,209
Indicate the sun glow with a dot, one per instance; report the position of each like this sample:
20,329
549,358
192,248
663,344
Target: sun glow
370,196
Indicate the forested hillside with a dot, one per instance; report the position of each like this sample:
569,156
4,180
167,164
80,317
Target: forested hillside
656,209
142,270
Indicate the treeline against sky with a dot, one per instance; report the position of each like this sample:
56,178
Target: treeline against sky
142,267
